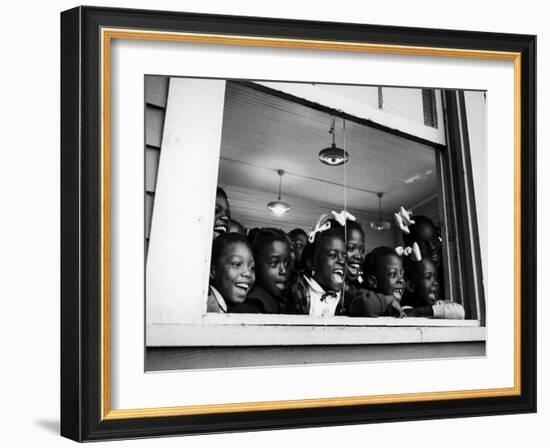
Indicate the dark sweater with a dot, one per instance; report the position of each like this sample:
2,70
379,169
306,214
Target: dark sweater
260,301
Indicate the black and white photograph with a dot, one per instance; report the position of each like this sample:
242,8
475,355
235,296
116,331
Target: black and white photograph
275,224
282,224
334,223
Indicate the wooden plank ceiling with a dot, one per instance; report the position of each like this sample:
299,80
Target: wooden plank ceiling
263,133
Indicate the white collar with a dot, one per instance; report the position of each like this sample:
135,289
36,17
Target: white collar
219,298
315,287
321,303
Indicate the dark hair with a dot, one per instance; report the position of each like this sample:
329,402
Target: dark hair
353,225
225,239
409,238
260,237
372,260
297,231
307,259
411,266
428,248
220,192
241,228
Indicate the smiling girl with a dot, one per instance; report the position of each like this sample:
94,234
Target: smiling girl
319,292
232,272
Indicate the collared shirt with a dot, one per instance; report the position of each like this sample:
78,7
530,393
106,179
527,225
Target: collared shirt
310,298
215,302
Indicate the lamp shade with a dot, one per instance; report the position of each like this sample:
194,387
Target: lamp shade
278,207
380,224
333,156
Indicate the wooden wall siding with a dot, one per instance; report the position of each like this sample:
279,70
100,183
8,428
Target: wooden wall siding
154,121
149,202
156,90
156,94
151,168
249,207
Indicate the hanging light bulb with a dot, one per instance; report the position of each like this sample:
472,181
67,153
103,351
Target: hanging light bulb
333,155
380,224
279,207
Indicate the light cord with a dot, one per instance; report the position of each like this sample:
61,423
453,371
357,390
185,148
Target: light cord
345,184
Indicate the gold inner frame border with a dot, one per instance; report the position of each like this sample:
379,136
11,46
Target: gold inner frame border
107,35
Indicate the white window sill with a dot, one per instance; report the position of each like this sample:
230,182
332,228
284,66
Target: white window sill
277,330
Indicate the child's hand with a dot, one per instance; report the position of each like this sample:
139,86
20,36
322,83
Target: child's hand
397,307
446,309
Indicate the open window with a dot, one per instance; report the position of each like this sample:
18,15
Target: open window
423,149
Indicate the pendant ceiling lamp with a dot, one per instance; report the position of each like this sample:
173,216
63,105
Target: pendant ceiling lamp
279,207
333,155
380,224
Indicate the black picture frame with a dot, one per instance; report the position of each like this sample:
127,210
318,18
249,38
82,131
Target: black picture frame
82,394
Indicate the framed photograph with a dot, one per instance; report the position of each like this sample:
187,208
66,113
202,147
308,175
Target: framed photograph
275,224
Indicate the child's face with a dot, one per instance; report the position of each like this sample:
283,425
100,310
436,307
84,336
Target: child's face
233,273
273,268
424,282
330,264
298,244
222,216
431,249
355,249
389,276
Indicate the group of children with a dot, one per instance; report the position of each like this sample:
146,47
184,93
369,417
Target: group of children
326,272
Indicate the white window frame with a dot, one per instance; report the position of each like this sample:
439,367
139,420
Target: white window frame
176,309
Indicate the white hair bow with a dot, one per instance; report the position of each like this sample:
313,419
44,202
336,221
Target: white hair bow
403,251
403,219
406,251
321,226
342,217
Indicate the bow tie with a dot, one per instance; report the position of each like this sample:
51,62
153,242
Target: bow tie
328,294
